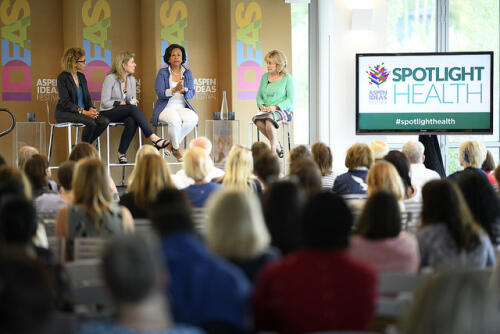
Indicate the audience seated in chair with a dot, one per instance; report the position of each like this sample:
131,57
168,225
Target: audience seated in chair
266,168
378,238
321,287
298,153
420,175
198,167
471,155
237,232
135,280
238,174
308,175
258,148
453,302
379,149
449,235
49,203
358,160
282,206
402,164
322,155
489,167
151,174
218,291
38,172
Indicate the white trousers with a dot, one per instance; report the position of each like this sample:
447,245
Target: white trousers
181,121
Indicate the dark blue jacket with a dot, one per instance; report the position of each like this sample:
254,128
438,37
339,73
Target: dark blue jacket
352,182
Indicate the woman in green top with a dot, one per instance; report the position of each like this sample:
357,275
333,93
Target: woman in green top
274,99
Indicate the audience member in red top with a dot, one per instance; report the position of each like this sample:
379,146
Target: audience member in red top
489,167
321,287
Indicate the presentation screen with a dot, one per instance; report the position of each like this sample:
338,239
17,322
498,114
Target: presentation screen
424,93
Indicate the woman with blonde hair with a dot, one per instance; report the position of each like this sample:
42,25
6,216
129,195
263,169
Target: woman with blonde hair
322,155
384,176
151,176
239,171
197,165
358,160
75,104
274,99
236,231
92,213
471,155
141,153
119,104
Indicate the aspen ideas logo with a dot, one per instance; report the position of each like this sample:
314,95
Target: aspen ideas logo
377,76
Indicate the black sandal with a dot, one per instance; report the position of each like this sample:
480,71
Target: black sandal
122,158
160,147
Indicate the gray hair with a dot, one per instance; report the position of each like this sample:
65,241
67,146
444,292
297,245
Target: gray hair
414,151
202,142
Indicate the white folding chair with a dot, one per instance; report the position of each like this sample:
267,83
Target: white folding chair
89,248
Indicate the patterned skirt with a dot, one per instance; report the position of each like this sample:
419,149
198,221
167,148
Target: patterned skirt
274,117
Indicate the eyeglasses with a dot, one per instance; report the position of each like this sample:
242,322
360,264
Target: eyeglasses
82,61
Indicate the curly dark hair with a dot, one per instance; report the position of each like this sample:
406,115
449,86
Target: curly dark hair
168,53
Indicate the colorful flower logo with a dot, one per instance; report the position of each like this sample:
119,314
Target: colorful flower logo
378,74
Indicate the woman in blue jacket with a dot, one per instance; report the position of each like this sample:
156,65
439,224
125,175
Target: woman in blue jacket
175,86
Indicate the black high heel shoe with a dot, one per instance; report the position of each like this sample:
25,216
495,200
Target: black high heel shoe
122,158
163,145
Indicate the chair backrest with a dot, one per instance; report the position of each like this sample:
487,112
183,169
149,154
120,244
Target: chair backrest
143,226
58,246
87,282
48,219
89,248
413,215
199,217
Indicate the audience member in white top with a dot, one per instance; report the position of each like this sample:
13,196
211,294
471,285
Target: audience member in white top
419,174
322,155
181,180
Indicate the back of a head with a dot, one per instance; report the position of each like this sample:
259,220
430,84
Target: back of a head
197,164
453,302
414,151
144,150
17,221
65,174
24,154
171,213
489,162
472,154
379,149
235,227
202,142
384,176
402,164
83,150
283,225
90,183
8,175
26,301
308,174
130,269
36,171
239,169
326,222
298,153
258,148
267,167
359,155
381,217
322,155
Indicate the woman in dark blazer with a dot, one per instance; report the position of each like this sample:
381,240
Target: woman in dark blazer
74,103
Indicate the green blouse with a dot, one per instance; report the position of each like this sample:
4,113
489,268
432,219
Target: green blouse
277,93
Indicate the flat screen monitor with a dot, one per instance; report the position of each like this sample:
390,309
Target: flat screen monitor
415,93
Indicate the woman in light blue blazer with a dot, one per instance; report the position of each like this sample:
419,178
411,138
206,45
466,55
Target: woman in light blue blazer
175,86
119,103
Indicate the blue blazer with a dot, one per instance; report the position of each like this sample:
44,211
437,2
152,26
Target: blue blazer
345,184
162,83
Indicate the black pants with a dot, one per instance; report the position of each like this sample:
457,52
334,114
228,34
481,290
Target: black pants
132,117
93,127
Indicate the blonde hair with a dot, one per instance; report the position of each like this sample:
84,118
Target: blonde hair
239,168
472,154
235,227
9,173
359,155
278,58
91,188
24,154
197,163
70,57
152,175
141,153
322,155
384,176
117,64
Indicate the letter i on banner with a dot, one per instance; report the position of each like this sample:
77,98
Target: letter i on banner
16,50
96,19
248,49
173,18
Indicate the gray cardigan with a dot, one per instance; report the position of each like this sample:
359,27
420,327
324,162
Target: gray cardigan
112,91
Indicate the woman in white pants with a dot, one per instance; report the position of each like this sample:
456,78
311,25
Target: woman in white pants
175,86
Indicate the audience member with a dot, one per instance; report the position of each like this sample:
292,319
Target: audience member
135,281
48,203
402,164
266,168
322,155
379,149
151,176
449,234
298,153
483,203
92,212
282,205
453,302
198,166
489,167
379,240
306,171
420,175
204,290
358,160
181,180
238,172
38,172
8,174
342,290
237,232
144,150
258,148
383,176
471,155
24,154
